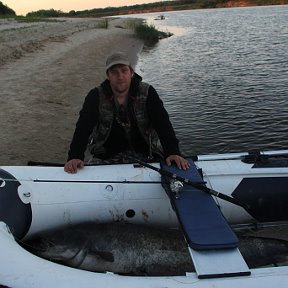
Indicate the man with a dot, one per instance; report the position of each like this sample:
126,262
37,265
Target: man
123,116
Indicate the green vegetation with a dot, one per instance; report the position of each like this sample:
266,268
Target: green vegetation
149,33
35,19
132,23
104,23
268,2
46,13
6,11
168,6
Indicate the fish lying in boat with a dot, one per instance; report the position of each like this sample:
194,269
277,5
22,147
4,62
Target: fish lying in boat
116,247
259,251
139,250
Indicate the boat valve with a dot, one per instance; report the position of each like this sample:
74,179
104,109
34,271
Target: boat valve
176,186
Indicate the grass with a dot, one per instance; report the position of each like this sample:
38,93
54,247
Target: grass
132,23
104,23
149,34
35,19
29,19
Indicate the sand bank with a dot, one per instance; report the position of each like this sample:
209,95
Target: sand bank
46,70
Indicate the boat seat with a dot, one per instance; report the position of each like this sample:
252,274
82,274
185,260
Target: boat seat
210,238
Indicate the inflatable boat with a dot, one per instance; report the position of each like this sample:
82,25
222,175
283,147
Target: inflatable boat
34,199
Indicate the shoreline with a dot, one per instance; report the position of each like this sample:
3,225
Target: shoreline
43,87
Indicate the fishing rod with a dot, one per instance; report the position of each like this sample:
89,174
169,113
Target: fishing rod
3,180
194,184
97,181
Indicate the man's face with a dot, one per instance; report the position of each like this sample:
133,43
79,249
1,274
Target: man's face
120,78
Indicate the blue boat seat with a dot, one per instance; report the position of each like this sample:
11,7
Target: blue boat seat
201,220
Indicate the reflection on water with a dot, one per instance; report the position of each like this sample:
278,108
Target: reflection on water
223,77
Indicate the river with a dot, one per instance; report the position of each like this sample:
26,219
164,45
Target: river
223,77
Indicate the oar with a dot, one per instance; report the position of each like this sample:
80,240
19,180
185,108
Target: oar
194,184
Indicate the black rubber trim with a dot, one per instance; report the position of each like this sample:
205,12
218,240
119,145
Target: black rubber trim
16,214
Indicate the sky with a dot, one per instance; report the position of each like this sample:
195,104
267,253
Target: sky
22,7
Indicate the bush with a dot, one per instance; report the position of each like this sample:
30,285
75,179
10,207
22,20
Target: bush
104,23
149,33
46,13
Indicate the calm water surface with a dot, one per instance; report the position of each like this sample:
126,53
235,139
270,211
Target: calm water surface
223,77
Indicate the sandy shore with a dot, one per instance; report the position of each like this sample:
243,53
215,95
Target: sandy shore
46,70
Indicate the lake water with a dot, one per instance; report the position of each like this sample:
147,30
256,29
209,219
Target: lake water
223,77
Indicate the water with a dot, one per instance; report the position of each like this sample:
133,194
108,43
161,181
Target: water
223,77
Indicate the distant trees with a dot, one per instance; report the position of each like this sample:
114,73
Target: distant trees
5,10
212,3
150,7
46,13
203,3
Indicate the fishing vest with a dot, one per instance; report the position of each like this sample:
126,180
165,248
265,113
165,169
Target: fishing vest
103,128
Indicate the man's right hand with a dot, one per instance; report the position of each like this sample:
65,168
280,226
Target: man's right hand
73,165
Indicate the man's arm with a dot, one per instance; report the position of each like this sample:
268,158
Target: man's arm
161,123
88,118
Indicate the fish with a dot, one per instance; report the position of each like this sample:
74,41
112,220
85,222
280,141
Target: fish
263,251
121,248
138,250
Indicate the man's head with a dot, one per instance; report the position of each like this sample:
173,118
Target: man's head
119,72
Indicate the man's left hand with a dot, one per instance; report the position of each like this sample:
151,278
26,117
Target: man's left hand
180,161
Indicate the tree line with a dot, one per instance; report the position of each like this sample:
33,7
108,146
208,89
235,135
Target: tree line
112,11
159,6
150,7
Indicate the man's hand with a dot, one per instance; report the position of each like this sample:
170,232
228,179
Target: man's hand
73,165
180,161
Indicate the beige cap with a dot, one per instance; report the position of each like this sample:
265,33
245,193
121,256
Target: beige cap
118,58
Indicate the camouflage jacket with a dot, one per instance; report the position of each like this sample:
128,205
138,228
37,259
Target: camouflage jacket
103,128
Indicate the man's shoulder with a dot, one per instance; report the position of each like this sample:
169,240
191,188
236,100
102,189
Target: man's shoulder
144,84
93,96
147,93
104,86
97,91
148,89
94,91
144,89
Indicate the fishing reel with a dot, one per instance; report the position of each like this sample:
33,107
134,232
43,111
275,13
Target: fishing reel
176,187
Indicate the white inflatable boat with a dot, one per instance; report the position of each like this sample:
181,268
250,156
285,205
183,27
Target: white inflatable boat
35,199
